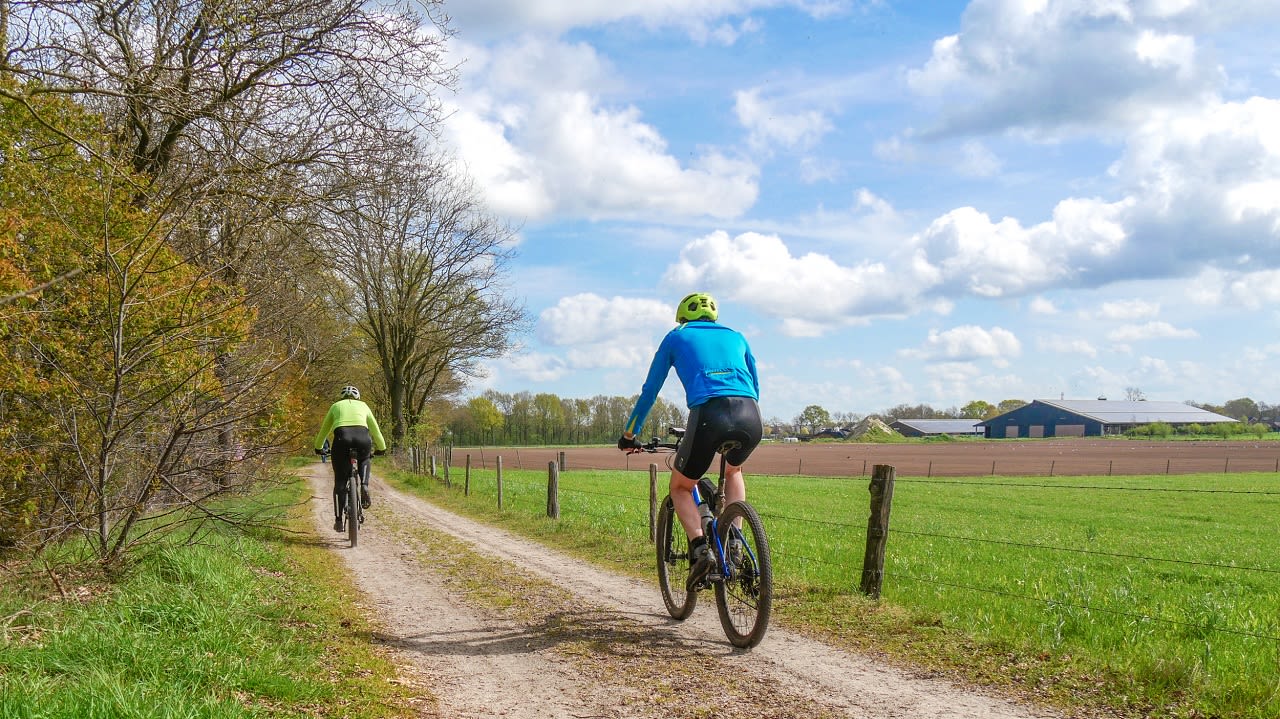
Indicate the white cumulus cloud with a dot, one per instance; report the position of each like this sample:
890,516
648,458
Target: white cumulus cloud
540,138
811,292
1150,331
1066,345
770,126
1057,66
966,343
1128,310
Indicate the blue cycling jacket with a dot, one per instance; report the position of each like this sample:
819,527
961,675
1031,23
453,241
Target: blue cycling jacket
711,360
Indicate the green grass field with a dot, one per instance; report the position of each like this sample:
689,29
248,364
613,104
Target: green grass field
242,625
1147,595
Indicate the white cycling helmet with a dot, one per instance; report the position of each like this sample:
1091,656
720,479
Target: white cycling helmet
349,392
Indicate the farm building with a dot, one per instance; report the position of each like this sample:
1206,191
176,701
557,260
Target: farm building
1091,418
935,427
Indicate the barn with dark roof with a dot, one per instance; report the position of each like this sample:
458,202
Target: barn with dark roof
1092,418
936,427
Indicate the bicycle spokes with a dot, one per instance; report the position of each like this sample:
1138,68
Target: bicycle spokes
745,598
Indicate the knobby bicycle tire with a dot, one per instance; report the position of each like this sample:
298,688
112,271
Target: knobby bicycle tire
673,562
744,599
353,510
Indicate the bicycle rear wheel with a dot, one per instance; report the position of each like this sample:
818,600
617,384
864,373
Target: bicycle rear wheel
353,510
744,599
673,562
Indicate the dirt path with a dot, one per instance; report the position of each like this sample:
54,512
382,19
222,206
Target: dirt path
503,627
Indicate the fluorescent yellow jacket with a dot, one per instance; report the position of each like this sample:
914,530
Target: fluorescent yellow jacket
350,413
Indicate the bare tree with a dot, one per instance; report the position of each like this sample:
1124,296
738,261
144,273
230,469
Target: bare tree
228,127
426,264
298,81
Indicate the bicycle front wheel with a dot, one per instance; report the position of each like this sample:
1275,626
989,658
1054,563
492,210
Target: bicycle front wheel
745,598
353,510
673,562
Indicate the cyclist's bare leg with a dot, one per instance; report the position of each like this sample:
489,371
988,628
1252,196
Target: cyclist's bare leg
686,508
735,488
735,485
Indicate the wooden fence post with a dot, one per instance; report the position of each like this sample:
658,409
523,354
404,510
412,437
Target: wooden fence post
653,503
499,461
553,490
433,465
561,458
877,529
448,460
466,480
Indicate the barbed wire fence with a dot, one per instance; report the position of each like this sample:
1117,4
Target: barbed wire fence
528,496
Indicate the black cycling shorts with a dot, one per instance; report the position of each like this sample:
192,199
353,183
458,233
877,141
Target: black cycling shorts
346,442
710,425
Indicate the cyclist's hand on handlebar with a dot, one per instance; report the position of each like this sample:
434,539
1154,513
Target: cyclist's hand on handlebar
629,444
320,452
379,452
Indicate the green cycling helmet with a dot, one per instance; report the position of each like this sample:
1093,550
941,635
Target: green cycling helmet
697,306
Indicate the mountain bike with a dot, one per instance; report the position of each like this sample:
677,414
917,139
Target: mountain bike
742,571
346,507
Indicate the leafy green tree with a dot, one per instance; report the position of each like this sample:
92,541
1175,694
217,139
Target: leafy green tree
1008,405
1243,409
978,409
813,419
484,413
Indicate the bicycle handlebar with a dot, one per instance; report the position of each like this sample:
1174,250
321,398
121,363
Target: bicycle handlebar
656,443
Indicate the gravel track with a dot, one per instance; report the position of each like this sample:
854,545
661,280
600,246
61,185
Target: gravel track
494,625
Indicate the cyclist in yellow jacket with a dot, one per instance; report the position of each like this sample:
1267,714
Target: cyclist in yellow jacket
355,431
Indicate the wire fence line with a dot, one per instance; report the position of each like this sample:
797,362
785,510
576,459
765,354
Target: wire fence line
776,520
1032,485
1002,458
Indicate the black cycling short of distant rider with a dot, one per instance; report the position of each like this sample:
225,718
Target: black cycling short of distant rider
710,425
347,441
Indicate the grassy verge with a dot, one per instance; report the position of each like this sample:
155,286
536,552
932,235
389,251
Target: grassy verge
1147,596
262,624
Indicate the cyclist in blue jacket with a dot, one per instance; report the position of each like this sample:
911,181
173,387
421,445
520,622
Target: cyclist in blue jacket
722,390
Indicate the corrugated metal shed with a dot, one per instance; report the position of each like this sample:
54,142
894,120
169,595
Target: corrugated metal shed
924,427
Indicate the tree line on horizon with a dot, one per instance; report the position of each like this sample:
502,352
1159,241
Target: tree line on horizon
525,418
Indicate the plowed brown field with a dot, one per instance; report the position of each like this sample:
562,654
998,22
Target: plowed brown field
936,459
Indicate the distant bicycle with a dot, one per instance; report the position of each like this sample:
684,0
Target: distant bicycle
743,571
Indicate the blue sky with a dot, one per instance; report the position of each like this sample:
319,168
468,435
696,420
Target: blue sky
896,202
